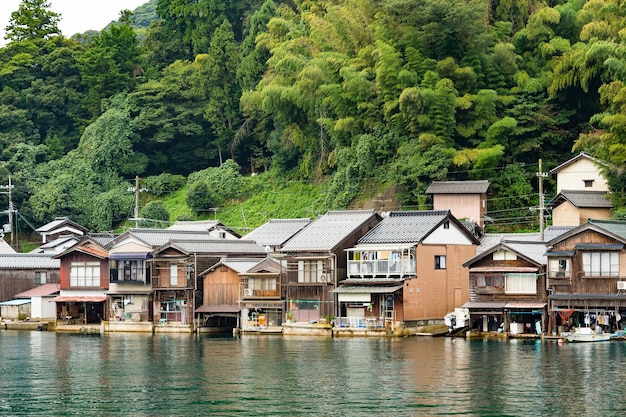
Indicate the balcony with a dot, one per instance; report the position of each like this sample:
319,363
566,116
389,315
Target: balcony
380,268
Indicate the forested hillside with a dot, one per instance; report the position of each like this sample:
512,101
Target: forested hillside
338,99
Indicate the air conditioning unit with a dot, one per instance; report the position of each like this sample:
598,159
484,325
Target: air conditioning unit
322,278
247,292
621,285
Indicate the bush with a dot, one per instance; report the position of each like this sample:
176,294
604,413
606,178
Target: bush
155,214
199,197
164,184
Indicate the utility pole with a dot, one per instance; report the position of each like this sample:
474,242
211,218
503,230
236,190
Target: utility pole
137,190
541,175
9,187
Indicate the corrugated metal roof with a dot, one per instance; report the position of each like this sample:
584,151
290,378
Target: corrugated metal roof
45,289
276,231
582,199
159,237
405,227
458,187
328,231
19,302
28,261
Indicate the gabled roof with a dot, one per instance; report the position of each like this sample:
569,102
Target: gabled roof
59,222
612,228
244,265
42,290
492,239
88,246
582,155
158,237
102,239
201,226
276,231
458,187
28,261
582,199
57,245
213,246
410,227
328,231
532,251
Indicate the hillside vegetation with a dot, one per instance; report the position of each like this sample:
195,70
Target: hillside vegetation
256,109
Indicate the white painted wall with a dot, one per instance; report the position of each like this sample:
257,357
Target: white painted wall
451,236
572,177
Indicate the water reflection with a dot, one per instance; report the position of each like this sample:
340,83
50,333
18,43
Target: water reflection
162,375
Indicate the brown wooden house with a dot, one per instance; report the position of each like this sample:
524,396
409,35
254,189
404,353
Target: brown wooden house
507,288
22,271
587,276
84,281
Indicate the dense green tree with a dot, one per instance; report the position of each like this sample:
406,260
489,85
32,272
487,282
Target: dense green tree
33,20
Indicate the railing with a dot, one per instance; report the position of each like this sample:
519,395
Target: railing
360,322
381,267
249,292
558,273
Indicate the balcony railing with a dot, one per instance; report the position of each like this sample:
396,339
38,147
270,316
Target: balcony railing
253,293
360,322
381,267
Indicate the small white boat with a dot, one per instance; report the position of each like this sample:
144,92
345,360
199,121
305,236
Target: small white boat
585,334
457,319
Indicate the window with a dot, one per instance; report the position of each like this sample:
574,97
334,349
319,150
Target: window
262,284
40,277
85,274
520,284
489,281
174,275
446,225
311,271
440,261
559,268
588,183
504,255
131,270
601,264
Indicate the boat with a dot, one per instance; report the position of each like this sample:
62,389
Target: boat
585,334
457,319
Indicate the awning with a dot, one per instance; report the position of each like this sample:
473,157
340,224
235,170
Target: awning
598,246
474,305
561,254
218,309
366,289
79,299
516,269
129,255
521,305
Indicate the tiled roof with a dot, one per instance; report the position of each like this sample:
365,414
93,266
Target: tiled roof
583,199
198,226
159,237
57,245
458,187
577,158
405,226
276,231
217,246
532,250
45,289
102,239
28,261
58,222
328,231
493,239
617,227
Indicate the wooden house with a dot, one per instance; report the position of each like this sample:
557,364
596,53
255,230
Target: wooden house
176,269
465,199
587,276
131,294
246,289
22,271
84,281
507,287
315,262
407,269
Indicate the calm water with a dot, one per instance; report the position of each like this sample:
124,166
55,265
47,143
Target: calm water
52,374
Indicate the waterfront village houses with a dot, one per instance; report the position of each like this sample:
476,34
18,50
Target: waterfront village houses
508,287
407,269
587,276
314,262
